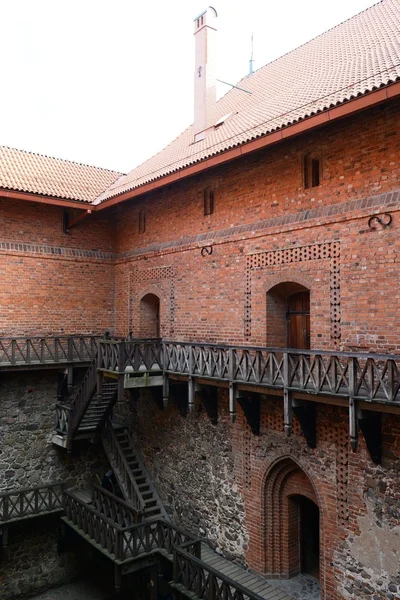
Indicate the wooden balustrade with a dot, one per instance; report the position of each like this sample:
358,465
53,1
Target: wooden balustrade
99,528
193,575
369,377
30,502
109,505
33,351
62,418
82,398
124,544
130,355
122,469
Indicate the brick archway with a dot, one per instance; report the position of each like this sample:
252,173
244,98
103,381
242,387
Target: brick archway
285,484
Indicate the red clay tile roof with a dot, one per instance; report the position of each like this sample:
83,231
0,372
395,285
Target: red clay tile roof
28,172
352,59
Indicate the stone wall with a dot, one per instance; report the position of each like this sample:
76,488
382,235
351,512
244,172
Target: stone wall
27,459
192,465
216,482
33,562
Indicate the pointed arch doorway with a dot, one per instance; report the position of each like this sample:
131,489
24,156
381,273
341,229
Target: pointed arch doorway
292,522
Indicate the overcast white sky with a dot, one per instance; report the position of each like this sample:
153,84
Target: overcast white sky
110,82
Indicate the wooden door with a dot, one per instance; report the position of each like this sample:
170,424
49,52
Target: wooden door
298,320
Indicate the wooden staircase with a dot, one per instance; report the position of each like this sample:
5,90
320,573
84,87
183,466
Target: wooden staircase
85,415
153,505
130,472
98,407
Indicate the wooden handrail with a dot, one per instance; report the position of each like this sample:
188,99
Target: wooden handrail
30,502
35,350
149,537
202,579
122,471
363,376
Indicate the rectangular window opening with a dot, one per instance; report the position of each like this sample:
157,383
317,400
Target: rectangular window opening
142,221
208,202
311,171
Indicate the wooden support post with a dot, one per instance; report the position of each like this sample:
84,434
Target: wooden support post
232,401
153,583
100,379
117,578
287,397
70,377
287,411
121,388
353,424
191,392
4,542
165,390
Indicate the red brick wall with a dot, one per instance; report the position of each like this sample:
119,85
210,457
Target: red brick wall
52,282
318,238
357,500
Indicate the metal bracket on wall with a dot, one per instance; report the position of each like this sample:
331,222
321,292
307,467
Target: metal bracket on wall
206,251
380,221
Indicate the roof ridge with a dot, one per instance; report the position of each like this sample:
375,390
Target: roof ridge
65,160
308,41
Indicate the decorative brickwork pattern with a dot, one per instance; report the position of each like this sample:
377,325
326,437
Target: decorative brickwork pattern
158,276
58,251
337,433
324,251
247,436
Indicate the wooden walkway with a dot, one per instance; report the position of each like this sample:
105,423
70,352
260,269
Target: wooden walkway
254,583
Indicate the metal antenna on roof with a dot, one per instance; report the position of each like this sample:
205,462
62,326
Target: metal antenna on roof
251,63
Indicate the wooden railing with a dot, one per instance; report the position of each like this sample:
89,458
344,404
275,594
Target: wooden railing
99,528
193,575
152,536
30,502
124,543
121,467
370,377
130,355
62,418
112,507
128,543
31,351
82,399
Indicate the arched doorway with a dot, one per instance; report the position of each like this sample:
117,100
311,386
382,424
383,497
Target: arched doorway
150,316
292,519
288,316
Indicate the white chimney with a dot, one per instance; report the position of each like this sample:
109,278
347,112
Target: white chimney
205,85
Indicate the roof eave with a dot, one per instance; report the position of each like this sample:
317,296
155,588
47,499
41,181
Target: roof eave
42,199
338,112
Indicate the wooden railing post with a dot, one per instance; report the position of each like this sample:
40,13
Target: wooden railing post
191,381
353,425
390,381
121,371
232,387
287,396
165,390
